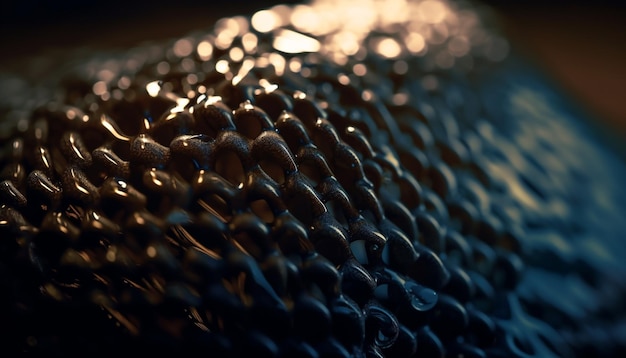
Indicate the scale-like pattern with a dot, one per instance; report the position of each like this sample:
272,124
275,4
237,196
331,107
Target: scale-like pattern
272,188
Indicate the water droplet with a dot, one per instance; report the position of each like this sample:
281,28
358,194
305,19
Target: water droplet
422,298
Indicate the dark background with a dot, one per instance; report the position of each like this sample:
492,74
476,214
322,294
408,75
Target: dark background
581,45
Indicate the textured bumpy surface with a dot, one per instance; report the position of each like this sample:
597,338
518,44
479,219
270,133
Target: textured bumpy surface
338,179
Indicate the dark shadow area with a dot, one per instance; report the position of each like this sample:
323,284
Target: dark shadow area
581,46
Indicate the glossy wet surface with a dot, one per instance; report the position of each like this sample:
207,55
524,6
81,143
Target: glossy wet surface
289,187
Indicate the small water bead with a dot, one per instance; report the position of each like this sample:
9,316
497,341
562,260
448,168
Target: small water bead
421,298
404,295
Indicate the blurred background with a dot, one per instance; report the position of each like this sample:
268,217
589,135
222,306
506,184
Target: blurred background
580,45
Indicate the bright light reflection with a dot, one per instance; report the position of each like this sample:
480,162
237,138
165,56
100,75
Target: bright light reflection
265,21
99,88
415,42
151,251
246,66
389,48
205,50
431,11
222,66
278,62
294,42
106,123
153,88
359,69
305,18
249,42
268,87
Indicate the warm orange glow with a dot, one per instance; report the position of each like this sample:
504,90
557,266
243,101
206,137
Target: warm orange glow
415,42
265,21
458,46
183,47
99,88
222,66
236,54
431,11
278,62
306,19
153,88
205,50
389,48
294,42
359,69
249,42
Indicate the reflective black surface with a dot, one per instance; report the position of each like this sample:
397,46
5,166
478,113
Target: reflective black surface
409,192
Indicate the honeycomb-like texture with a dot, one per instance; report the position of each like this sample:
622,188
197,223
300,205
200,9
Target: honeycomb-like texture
273,188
